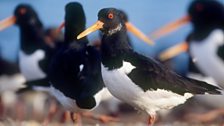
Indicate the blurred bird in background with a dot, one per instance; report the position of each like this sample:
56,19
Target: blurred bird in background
204,44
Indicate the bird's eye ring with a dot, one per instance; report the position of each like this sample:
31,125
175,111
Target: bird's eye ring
110,16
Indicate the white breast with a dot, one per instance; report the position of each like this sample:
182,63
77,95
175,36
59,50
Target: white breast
29,65
122,87
206,56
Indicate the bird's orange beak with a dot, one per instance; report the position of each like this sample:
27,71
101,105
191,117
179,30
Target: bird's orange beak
173,51
131,28
7,22
61,26
171,27
98,25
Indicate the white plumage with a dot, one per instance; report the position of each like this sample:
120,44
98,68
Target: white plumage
29,65
206,56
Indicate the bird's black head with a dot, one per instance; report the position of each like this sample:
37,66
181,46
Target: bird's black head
111,19
26,16
206,13
75,20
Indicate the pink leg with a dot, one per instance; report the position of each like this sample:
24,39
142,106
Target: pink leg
76,118
151,120
52,111
65,117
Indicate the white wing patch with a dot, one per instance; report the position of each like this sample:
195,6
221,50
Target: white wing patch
81,67
126,68
29,65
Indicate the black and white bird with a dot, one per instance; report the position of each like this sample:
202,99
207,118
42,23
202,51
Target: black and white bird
206,41
205,44
135,79
75,70
34,53
112,102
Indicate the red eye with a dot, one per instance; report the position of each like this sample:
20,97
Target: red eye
110,16
22,11
199,7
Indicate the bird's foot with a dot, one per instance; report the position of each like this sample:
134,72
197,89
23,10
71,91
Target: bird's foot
52,111
76,118
151,120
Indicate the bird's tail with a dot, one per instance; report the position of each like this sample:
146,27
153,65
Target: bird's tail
203,87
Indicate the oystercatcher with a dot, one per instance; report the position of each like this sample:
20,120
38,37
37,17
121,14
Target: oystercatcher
206,41
75,70
34,54
135,79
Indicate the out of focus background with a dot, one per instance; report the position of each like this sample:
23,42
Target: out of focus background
147,15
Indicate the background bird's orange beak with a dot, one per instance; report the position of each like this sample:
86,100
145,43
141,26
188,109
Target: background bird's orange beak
131,28
98,25
61,26
173,51
7,22
171,27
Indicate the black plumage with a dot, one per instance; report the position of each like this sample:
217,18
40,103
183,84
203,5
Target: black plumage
75,69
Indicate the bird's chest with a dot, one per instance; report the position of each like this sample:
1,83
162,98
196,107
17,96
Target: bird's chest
207,60
119,84
29,65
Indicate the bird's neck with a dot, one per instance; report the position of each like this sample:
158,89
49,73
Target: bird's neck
200,32
72,31
114,47
31,38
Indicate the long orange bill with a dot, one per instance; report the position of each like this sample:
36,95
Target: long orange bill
173,51
7,22
61,26
171,27
131,28
98,25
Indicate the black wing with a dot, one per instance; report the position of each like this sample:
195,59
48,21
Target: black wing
150,74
